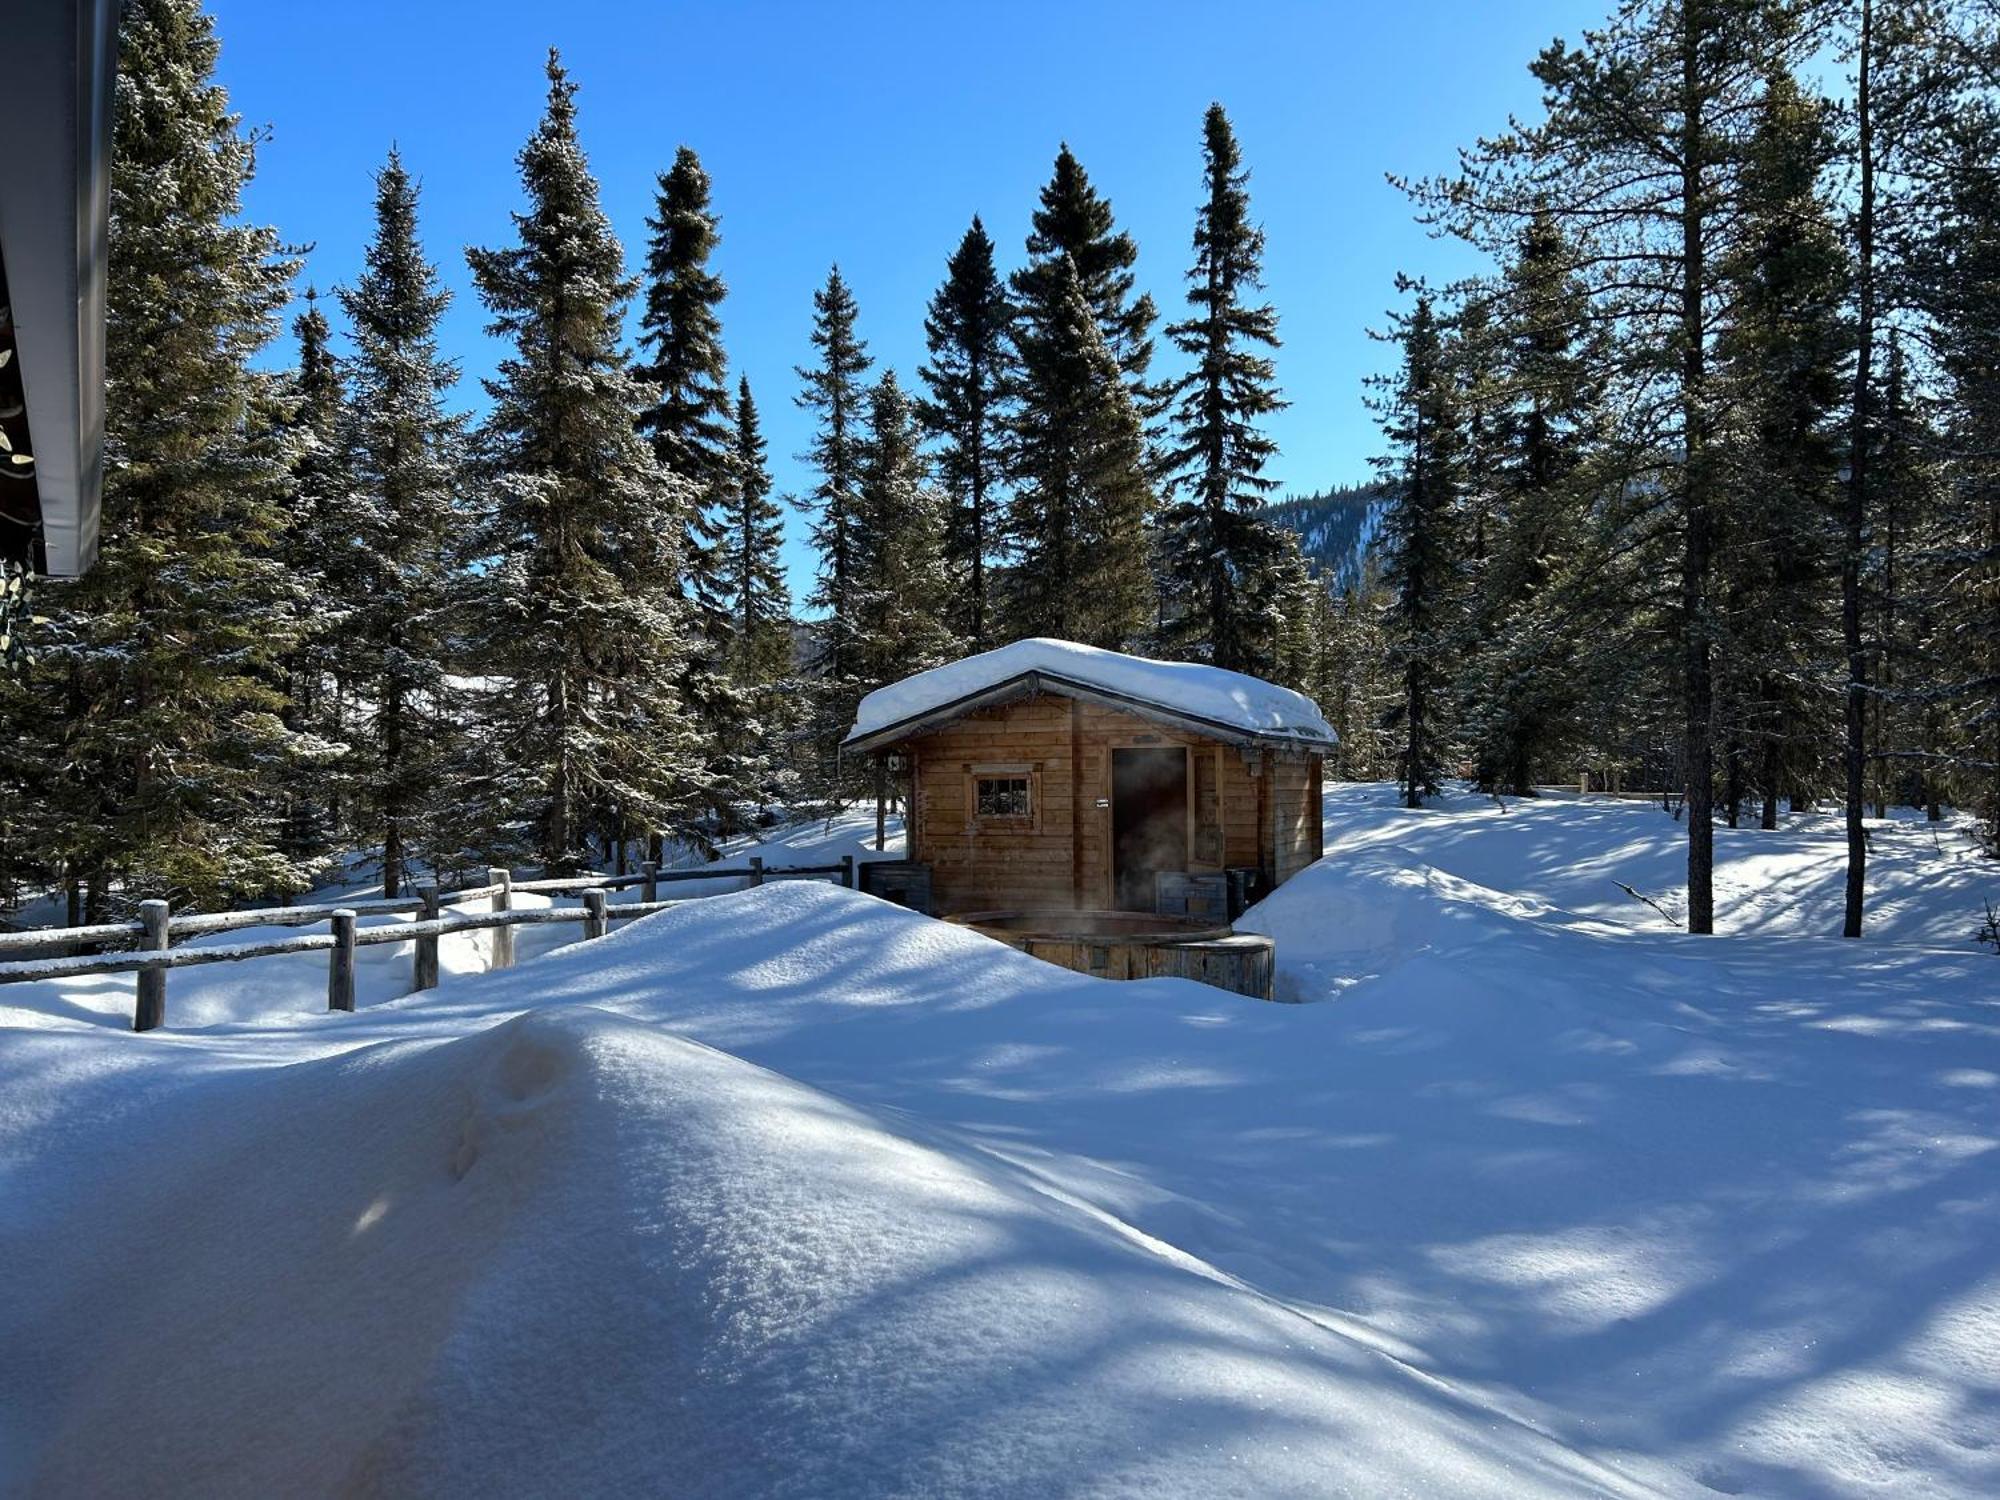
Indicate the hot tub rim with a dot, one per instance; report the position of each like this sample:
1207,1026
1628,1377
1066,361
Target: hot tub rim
1160,936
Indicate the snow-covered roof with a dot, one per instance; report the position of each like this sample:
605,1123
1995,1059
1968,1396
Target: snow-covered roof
1229,705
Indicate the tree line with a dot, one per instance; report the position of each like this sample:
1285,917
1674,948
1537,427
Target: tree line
1700,479
332,613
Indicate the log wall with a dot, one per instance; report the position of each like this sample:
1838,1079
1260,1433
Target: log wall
1256,809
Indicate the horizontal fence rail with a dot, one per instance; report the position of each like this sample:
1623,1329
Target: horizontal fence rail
145,946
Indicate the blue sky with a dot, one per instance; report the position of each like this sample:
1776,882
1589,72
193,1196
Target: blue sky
870,134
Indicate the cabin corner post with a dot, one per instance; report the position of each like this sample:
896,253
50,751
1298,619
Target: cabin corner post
1316,807
1267,824
881,771
1076,809
149,1008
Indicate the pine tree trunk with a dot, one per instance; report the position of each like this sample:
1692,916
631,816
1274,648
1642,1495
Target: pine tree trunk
1698,689
1523,776
393,852
1854,758
556,855
1773,773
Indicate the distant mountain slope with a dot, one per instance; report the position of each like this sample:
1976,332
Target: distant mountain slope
1335,527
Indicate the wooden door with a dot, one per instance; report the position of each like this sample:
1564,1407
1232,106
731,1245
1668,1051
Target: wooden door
1149,827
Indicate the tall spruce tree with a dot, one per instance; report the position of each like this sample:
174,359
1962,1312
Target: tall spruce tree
1356,689
1907,740
1905,75
967,376
1074,222
165,663
753,575
1423,554
322,555
834,393
1522,684
1220,553
1779,359
1638,159
408,451
1961,265
580,608
692,432
680,330
1077,522
904,591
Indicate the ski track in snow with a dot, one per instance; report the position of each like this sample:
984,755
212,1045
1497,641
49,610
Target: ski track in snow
791,1192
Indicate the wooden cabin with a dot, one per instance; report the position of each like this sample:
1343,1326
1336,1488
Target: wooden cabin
1051,775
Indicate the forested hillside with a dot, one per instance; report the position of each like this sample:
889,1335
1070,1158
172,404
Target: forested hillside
1335,527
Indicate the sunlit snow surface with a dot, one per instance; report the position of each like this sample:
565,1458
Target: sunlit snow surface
790,1192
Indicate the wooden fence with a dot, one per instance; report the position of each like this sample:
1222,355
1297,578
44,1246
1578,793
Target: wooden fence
150,938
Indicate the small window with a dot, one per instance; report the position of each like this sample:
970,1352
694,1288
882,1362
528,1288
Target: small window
1002,797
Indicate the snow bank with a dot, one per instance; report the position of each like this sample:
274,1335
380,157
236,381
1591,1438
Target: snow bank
1554,1200
571,1252
1247,703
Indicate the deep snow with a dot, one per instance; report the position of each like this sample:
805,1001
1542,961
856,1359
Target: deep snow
1212,693
790,1191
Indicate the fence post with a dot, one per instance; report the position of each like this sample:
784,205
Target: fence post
503,900
340,963
426,963
756,869
595,923
649,887
151,1007
847,872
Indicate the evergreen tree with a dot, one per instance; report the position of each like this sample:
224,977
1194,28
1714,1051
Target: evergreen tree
1961,265
835,395
971,365
1420,469
320,555
1523,685
1907,738
1356,689
753,576
408,450
164,664
1638,159
1219,551
904,591
1780,356
760,655
692,432
1076,224
680,330
581,557
1299,607
1076,525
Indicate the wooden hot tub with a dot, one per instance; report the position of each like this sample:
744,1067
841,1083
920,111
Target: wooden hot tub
1135,945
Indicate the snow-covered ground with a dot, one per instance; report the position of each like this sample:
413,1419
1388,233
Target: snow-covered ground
792,1192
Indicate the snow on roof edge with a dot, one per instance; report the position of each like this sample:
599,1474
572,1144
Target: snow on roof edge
1233,699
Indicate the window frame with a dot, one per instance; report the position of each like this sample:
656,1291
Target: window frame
1030,777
